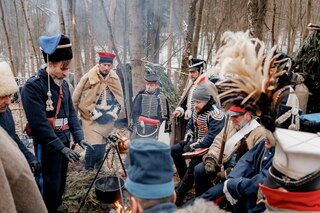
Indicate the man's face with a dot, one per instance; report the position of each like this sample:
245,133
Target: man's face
241,120
151,87
105,68
198,105
5,101
194,75
59,70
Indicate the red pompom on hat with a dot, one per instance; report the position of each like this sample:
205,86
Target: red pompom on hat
106,57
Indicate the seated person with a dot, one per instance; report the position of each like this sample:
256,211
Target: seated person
242,134
206,122
242,184
293,181
150,185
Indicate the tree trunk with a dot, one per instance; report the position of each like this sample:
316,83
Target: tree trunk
30,33
110,15
273,39
170,39
61,19
197,30
188,42
256,17
305,31
9,46
153,30
20,52
136,45
76,52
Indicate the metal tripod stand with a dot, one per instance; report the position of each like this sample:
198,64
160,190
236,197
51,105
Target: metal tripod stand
113,139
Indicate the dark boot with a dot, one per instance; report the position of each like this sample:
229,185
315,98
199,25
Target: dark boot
184,186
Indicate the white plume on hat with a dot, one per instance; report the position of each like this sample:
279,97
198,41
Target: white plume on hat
8,85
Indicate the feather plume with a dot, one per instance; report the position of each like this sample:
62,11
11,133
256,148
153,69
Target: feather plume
253,79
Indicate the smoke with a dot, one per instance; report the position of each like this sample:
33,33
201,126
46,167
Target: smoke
52,22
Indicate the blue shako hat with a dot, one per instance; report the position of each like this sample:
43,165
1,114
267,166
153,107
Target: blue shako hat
150,172
56,48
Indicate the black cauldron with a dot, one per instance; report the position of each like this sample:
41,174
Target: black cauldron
107,189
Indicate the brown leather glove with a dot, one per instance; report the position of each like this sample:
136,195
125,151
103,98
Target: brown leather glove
223,174
209,166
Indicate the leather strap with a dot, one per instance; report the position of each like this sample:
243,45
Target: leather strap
201,126
59,101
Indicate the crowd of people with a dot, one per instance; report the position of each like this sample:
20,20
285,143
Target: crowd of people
226,142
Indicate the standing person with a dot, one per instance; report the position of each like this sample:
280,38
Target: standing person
150,103
205,124
19,192
8,87
242,134
184,108
150,184
47,103
99,91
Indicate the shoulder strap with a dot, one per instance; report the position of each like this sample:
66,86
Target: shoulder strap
59,101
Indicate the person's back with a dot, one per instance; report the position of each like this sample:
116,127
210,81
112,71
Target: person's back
19,192
150,176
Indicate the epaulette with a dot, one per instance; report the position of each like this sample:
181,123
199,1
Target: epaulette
216,113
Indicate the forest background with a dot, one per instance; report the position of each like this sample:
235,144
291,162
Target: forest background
155,32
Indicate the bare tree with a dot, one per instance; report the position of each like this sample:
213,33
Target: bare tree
197,30
33,46
7,38
256,17
76,58
136,44
61,19
305,31
188,42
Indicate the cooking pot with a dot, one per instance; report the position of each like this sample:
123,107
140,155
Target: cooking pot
107,189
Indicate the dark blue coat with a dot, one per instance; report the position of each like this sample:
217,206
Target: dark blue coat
214,122
251,169
34,97
7,123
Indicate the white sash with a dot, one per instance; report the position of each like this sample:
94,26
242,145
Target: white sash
251,125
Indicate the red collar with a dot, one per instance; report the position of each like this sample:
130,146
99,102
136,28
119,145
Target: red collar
300,201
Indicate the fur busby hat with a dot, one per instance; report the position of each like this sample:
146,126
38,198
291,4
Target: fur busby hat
56,48
106,57
8,85
150,172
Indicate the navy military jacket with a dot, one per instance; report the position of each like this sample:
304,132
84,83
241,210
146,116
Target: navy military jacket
34,97
7,123
251,169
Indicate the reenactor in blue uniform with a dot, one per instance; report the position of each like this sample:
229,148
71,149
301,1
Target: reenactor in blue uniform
8,86
150,103
205,124
51,120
